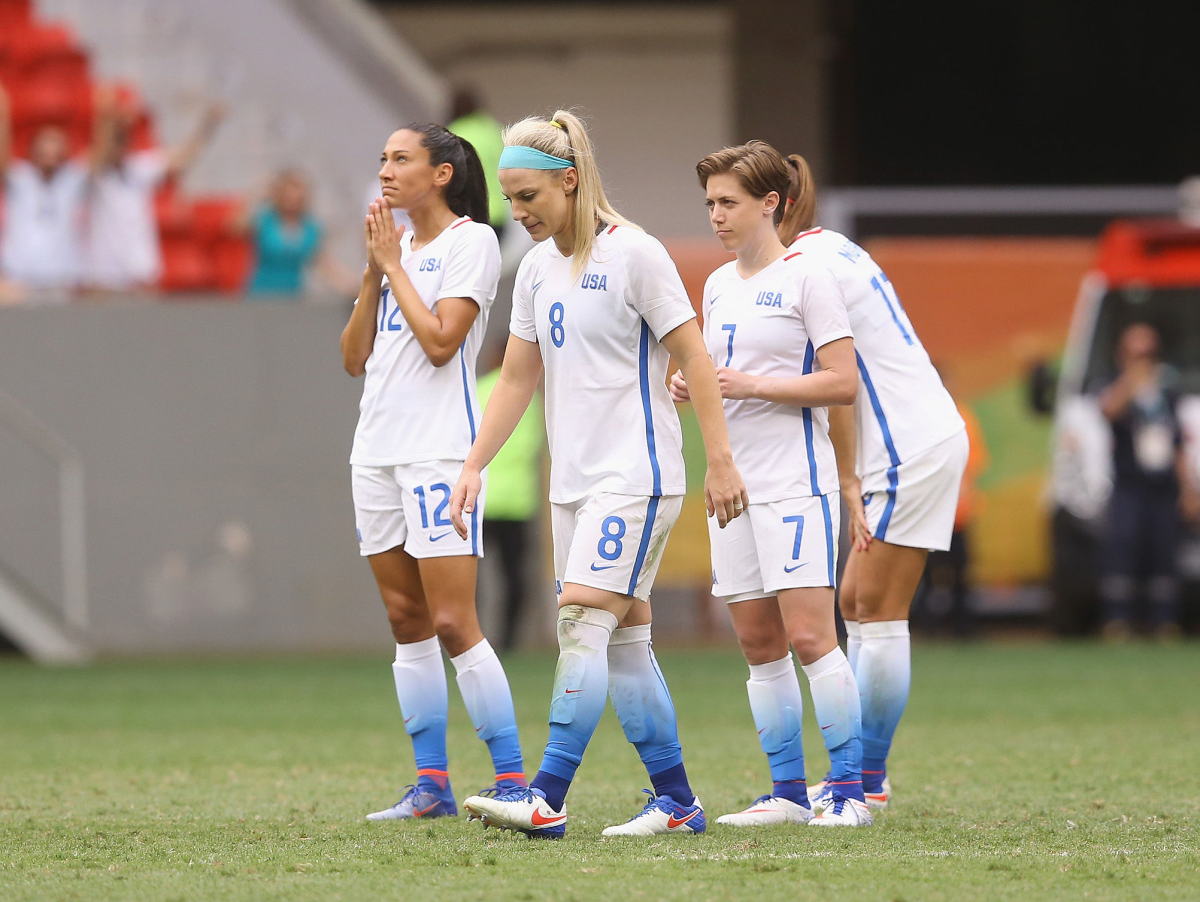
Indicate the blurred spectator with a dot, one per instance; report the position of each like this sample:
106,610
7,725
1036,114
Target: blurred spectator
1151,486
948,572
514,492
43,214
287,241
122,247
470,121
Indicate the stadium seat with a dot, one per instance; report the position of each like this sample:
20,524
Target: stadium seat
48,51
14,13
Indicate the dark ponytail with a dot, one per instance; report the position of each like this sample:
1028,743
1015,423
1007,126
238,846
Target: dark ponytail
466,193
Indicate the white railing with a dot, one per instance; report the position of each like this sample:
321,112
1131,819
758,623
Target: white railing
71,511
839,208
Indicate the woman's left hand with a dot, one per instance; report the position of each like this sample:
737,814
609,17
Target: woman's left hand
383,238
735,385
724,491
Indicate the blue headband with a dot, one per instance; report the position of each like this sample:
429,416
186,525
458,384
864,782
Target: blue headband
518,156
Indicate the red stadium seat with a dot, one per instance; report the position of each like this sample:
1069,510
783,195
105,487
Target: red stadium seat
186,265
232,259
14,13
48,51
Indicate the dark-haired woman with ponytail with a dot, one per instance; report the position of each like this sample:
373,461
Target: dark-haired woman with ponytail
415,332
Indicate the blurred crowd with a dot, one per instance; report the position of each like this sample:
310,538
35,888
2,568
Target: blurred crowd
109,217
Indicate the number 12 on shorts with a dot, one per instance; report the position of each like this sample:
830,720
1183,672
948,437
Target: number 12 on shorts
439,512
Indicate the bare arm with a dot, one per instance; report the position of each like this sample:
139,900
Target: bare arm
843,434
440,334
181,156
836,383
724,491
103,152
519,375
5,131
358,338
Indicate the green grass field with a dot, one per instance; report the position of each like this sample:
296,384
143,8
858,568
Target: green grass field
1021,772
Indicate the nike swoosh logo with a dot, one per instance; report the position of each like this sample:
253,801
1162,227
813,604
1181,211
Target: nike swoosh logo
790,569
420,812
539,820
441,536
672,823
407,719
571,691
827,726
609,567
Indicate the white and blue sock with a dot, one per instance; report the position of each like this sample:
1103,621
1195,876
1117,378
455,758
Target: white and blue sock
884,675
647,714
485,692
778,709
420,679
580,691
839,715
853,642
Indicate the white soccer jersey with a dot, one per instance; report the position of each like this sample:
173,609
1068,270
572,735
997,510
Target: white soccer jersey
772,325
610,421
902,407
411,410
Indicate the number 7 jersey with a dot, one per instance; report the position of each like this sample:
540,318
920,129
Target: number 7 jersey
610,421
772,324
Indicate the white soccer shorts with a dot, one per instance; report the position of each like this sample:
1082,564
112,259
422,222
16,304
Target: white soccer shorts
914,503
409,505
789,544
612,542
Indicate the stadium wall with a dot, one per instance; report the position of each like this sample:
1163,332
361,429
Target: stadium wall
214,441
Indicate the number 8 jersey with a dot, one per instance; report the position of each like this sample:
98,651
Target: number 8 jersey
411,410
610,421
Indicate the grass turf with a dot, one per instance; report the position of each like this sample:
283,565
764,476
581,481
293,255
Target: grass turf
1020,772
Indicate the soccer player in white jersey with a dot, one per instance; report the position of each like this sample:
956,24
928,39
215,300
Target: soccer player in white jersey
778,331
415,332
599,304
901,453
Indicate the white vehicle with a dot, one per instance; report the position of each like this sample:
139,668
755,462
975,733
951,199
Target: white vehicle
1146,271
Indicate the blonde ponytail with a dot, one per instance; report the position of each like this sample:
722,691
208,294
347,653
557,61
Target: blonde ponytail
803,194
565,136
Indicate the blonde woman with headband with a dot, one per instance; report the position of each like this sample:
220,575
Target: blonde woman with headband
600,306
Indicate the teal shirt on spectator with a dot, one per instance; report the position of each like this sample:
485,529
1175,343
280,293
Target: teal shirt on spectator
282,253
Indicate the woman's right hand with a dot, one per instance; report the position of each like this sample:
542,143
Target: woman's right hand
463,498
860,531
678,388
379,246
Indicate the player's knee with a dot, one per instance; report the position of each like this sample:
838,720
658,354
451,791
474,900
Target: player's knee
455,634
761,646
809,640
406,616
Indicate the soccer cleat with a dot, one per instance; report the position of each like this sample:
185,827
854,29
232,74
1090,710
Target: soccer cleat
494,790
843,812
819,795
519,808
768,811
662,814
417,802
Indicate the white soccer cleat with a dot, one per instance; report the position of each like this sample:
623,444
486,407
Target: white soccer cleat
879,800
843,812
820,794
661,815
521,809
768,811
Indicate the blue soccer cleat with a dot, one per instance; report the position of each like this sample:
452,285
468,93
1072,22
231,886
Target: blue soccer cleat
662,814
418,802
